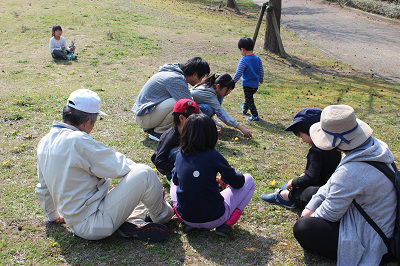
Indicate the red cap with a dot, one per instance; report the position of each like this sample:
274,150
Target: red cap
181,105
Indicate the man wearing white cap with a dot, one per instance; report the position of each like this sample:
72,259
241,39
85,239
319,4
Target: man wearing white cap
74,174
331,224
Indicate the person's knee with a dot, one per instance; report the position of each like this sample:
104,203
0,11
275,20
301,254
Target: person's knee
249,181
300,228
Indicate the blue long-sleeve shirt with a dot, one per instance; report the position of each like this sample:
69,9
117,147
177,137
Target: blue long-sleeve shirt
251,70
199,199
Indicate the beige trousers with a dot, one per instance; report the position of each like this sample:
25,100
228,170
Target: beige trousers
138,190
160,119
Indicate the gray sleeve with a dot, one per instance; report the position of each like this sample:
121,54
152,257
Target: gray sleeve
342,190
178,89
226,118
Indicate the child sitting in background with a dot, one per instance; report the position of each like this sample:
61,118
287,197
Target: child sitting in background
58,45
251,70
195,189
320,165
210,94
164,156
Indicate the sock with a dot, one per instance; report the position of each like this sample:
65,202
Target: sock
234,217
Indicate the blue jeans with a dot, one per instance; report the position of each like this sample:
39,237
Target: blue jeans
206,109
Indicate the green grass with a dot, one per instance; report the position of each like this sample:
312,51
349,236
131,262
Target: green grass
120,45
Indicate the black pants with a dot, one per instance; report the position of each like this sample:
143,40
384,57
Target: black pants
317,235
301,196
58,54
249,100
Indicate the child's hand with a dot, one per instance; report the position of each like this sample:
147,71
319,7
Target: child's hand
219,129
289,185
63,48
247,133
261,82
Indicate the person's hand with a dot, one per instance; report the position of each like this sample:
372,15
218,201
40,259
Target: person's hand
247,133
261,82
221,183
307,213
63,47
219,129
60,220
289,185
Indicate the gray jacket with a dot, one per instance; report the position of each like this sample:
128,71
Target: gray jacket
359,244
169,82
202,95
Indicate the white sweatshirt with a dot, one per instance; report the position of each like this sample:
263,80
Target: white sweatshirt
56,45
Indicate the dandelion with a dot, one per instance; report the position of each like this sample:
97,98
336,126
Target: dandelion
6,163
28,136
236,138
272,183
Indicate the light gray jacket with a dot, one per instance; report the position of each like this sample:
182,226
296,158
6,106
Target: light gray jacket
202,95
359,244
169,82
74,172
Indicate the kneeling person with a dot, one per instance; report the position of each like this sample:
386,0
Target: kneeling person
74,174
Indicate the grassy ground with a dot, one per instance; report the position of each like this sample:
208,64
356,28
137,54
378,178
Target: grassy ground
120,45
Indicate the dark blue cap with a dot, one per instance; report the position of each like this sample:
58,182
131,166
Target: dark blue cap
307,115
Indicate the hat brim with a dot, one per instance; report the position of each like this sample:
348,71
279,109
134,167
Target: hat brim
291,126
324,140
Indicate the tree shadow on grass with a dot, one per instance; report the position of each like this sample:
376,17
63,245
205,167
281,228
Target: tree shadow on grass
240,248
116,249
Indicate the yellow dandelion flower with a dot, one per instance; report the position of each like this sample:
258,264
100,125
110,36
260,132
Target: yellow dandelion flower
6,163
272,183
236,138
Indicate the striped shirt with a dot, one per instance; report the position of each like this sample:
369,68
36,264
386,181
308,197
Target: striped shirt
251,70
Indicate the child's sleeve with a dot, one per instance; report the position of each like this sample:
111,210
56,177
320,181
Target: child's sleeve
312,171
228,174
261,72
161,159
240,69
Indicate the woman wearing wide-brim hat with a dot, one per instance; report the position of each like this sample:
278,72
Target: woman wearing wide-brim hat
330,224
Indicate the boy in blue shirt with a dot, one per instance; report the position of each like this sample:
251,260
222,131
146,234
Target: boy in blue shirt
251,70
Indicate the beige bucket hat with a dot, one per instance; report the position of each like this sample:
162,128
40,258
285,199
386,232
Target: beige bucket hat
339,128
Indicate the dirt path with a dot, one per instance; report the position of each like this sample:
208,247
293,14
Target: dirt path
364,41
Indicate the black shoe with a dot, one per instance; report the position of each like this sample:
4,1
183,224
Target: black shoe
152,232
152,134
223,230
187,228
147,218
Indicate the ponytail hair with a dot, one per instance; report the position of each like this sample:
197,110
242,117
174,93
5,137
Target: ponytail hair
54,28
224,80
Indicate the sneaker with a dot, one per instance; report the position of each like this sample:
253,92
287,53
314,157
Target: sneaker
244,111
223,230
253,118
276,198
152,134
152,232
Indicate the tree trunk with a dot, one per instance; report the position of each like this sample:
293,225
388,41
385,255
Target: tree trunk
232,4
270,41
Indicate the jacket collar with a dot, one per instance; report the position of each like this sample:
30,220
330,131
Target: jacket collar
64,125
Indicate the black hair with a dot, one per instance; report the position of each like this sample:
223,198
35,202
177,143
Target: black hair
224,80
195,65
199,134
54,28
189,110
246,43
302,127
75,117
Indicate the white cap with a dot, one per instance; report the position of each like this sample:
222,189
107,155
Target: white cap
86,101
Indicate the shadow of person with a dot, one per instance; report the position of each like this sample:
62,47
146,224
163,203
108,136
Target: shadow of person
116,249
275,128
311,258
149,143
62,62
241,247
230,134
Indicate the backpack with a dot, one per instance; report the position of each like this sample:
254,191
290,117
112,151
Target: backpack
392,243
